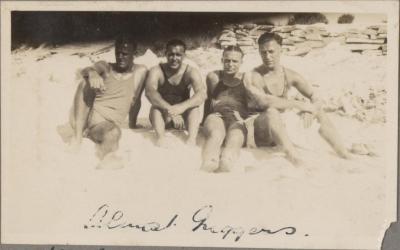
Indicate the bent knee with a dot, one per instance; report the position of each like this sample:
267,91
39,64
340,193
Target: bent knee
114,133
215,133
271,115
214,130
227,163
210,165
155,112
271,112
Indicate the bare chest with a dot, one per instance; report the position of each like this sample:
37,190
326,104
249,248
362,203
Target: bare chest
274,84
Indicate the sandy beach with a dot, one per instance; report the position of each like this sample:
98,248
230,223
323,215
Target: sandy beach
45,176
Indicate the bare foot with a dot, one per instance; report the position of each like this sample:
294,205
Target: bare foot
371,150
210,165
345,154
230,168
111,161
191,142
74,145
362,149
294,158
228,163
162,142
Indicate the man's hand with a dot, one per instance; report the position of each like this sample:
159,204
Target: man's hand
176,110
96,81
307,107
178,122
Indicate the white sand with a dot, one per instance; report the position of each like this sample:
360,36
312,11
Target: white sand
327,198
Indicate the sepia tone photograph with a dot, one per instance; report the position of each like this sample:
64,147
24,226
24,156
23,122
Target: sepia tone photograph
192,124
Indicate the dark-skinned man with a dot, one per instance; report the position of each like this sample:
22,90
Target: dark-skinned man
103,100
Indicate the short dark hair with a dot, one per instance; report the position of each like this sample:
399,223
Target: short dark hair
126,39
233,48
269,36
175,42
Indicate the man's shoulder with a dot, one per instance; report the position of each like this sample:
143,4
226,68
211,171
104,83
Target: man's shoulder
291,75
191,70
156,69
255,72
213,76
103,65
139,68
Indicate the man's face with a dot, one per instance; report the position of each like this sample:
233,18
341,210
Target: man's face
270,53
175,55
231,61
124,56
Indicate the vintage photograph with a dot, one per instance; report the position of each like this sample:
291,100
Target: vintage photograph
165,126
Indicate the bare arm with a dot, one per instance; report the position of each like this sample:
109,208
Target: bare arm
140,77
304,87
263,100
100,68
211,81
151,86
95,74
200,92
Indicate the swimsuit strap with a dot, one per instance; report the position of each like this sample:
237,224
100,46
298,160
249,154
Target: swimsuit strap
183,75
166,77
220,85
165,74
222,82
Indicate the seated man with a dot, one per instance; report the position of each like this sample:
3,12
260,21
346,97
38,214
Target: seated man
168,90
226,96
104,98
268,85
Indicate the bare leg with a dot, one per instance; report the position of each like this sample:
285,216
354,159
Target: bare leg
133,114
233,143
135,108
158,123
107,135
192,123
83,102
268,126
329,133
215,133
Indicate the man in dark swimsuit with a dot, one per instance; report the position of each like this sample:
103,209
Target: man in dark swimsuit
168,90
108,93
225,107
267,87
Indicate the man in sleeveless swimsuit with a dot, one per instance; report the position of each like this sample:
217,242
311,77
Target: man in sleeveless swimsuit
168,90
226,96
267,86
104,98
